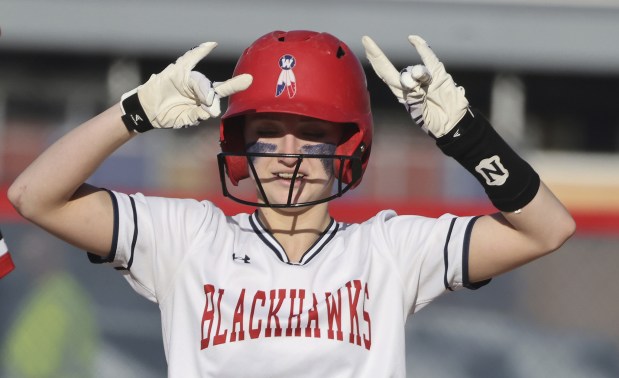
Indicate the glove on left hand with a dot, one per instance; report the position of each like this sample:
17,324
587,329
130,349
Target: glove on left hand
427,91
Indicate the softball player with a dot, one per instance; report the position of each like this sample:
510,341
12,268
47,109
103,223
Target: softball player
287,290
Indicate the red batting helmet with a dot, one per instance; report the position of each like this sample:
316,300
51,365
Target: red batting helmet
304,73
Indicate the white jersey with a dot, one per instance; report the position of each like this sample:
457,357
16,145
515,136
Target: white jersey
233,305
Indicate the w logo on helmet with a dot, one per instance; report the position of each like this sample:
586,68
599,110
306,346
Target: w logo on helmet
286,80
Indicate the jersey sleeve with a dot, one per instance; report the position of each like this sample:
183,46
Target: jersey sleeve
431,254
6,262
152,236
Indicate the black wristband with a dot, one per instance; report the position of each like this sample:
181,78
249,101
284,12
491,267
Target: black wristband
134,117
509,181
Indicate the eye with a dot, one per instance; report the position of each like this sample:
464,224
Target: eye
321,132
314,134
265,129
314,131
267,132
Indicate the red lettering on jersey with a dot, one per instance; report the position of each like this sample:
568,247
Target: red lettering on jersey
312,317
281,295
207,315
255,332
300,314
367,342
219,338
353,302
238,319
293,296
334,313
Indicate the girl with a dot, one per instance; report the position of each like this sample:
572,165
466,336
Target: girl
288,290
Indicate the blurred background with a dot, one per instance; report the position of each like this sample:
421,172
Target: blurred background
545,72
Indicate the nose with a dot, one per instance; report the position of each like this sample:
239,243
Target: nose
289,145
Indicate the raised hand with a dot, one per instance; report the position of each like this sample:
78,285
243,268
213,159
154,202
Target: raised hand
178,96
427,91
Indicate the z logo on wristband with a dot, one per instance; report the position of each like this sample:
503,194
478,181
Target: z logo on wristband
493,171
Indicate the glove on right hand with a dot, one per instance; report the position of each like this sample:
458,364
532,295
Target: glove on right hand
427,91
179,97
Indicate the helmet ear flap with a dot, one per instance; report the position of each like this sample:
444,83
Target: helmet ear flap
237,168
233,140
351,144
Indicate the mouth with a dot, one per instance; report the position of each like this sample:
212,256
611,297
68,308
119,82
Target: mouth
285,179
288,176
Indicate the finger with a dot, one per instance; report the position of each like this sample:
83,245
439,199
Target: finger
421,73
201,87
191,117
233,85
210,97
425,52
213,110
407,80
195,55
381,64
413,76
202,113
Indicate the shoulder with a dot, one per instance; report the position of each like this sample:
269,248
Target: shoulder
388,217
168,203
389,222
169,210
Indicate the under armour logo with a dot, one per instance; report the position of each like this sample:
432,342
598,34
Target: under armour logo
493,171
245,259
136,119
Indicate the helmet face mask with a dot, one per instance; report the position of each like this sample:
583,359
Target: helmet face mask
341,188
308,74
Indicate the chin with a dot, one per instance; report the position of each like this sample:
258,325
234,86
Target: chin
294,209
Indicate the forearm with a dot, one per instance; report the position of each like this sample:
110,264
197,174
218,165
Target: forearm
544,221
532,222
54,177
504,241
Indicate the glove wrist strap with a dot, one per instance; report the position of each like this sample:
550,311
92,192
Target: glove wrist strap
134,117
509,181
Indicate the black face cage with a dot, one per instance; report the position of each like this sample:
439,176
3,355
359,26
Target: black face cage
354,161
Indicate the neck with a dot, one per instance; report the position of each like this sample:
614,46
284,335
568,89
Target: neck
296,229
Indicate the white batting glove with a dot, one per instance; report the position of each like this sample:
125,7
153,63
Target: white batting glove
179,97
427,91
